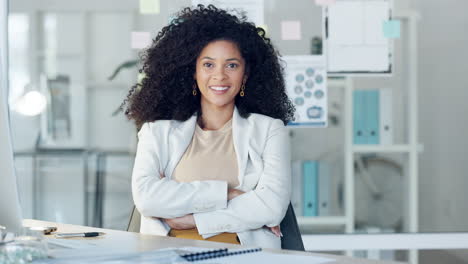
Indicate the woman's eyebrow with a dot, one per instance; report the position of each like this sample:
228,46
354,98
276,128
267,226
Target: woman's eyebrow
231,59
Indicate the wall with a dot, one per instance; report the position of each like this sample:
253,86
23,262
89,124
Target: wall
442,91
443,61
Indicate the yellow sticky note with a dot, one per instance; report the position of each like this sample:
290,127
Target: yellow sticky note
264,27
149,7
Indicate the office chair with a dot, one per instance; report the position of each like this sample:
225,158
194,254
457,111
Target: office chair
291,239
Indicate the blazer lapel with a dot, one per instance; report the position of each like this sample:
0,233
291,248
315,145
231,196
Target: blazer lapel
179,139
240,137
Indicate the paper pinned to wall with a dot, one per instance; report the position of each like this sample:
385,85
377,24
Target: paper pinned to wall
355,40
325,2
290,30
391,28
150,7
306,85
140,40
264,27
254,8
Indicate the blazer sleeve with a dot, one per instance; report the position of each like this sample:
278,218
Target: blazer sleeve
156,196
268,202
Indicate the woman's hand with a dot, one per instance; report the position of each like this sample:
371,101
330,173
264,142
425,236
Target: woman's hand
233,193
276,230
183,222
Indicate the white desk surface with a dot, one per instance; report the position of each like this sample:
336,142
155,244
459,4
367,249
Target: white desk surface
136,242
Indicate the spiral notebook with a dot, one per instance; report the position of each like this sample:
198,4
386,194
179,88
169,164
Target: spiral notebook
217,253
246,256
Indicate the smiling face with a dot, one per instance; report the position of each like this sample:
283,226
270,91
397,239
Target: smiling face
219,74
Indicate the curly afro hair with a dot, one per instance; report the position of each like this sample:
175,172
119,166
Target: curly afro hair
169,66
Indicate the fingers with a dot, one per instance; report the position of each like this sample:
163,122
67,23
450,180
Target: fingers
276,230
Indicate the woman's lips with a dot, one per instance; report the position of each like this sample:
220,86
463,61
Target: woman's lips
219,89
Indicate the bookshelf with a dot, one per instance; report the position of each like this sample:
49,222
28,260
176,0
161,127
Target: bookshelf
322,221
397,148
411,148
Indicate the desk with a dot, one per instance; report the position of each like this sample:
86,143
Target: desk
135,242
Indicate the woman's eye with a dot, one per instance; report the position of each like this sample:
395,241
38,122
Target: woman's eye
207,64
232,65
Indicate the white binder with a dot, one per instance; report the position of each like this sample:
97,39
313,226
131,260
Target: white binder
296,189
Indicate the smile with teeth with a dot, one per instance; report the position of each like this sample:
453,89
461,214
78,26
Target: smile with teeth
219,88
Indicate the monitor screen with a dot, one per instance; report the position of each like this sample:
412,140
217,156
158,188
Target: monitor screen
10,212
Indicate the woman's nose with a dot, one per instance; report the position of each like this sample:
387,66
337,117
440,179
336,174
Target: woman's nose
219,74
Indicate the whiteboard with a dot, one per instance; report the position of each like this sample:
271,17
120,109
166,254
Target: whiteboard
354,37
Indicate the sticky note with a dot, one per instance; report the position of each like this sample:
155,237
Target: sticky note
264,27
391,28
291,30
325,2
140,40
149,7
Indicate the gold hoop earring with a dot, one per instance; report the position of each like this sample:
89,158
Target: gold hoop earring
194,91
242,90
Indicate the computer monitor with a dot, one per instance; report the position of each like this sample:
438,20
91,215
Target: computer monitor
10,210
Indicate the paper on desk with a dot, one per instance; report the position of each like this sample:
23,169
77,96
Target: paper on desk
69,243
261,257
163,256
172,255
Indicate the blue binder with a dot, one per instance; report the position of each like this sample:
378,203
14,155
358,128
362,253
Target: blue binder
358,117
372,123
310,185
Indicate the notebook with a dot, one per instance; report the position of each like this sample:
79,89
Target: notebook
247,256
217,253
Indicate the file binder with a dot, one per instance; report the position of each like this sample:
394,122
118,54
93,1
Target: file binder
371,121
310,181
324,197
297,189
386,116
358,117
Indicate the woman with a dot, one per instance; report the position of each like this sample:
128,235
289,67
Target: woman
213,158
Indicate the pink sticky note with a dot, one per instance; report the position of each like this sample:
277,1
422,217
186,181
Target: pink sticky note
140,40
325,2
291,30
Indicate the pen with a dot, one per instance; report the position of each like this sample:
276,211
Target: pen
85,234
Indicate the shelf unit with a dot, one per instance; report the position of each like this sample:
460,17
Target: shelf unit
322,221
409,21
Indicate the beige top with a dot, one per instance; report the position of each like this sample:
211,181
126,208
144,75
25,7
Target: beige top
210,156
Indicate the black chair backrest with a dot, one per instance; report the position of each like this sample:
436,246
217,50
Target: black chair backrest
292,238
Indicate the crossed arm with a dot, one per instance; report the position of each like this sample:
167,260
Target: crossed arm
210,205
188,221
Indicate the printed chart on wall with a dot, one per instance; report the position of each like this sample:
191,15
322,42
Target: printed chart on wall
253,8
358,37
306,84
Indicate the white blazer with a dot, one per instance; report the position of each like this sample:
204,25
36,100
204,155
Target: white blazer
264,161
